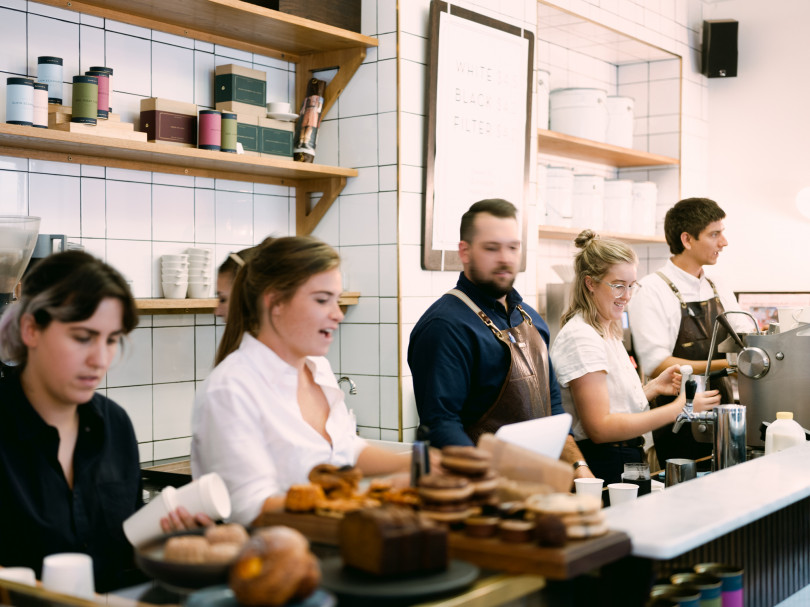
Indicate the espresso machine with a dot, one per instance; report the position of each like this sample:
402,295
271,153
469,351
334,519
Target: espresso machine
18,237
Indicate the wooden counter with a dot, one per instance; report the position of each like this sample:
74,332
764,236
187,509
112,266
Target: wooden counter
575,558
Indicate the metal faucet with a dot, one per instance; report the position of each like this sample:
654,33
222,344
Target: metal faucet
352,385
688,414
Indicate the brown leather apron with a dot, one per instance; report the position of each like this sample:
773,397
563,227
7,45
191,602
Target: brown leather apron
693,343
525,392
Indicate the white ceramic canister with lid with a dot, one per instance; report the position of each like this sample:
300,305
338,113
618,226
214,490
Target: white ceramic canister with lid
619,205
587,202
620,121
645,200
559,195
580,112
543,91
783,433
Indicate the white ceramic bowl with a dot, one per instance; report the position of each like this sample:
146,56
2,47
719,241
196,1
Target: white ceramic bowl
173,265
198,279
199,251
181,257
192,273
199,290
199,258
175,290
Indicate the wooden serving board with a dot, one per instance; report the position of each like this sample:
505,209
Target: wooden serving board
575,558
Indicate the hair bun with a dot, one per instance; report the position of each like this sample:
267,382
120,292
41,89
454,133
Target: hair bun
585,238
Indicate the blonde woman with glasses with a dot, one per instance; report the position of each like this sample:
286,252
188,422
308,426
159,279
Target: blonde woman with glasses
601,389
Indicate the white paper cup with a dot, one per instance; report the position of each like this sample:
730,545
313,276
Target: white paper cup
144,525
589,486
21,575
278,107
69,573
207,494
622,492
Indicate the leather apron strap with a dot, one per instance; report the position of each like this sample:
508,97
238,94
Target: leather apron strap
693,343
525,393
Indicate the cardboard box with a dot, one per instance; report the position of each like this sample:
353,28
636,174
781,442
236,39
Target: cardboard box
242,109
276,137
168,121
247,133
240,84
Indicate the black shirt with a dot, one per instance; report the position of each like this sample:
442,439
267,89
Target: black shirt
40,514
459,366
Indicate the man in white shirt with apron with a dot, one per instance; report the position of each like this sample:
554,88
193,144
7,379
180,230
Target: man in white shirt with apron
672,316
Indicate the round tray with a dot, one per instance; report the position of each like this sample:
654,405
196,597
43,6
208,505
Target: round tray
222,596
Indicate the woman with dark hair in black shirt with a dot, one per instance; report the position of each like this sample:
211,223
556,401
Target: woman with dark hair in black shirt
69,465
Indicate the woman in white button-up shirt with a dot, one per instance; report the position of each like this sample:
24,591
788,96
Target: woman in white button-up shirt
271,410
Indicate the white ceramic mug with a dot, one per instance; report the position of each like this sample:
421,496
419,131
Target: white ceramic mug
589,486
622,492
69,573
278,107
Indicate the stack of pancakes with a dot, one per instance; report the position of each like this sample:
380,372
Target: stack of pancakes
581,514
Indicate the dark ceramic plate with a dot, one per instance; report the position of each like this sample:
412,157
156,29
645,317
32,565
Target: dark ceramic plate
222,596
357,587
178,577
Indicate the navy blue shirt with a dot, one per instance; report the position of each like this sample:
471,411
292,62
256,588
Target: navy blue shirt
40,514
459,366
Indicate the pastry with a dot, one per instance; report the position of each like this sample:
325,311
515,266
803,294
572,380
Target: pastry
273,568
222,553
303,498
232,533
378,487
481,526
550,530
407,496
336,482
515,531
564,503
445,498
392,541
186,549
465,460
585,531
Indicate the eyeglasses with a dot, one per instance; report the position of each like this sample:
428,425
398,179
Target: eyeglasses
619,289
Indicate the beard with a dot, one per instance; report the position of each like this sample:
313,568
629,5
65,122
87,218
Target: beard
494,287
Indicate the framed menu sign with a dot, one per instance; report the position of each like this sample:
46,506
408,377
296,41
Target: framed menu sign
478,126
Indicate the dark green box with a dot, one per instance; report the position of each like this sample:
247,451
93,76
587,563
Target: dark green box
274,141
235,87
248,136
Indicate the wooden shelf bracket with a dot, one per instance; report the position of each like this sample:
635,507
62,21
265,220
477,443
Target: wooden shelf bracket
307,214
347,61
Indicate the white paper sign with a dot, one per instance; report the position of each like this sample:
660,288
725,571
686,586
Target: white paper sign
480,121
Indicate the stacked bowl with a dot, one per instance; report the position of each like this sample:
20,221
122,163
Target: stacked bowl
174,276
200,273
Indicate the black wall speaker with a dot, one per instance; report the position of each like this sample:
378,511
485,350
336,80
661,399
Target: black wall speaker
720,48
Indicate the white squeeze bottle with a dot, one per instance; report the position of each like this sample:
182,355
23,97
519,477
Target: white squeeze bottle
783,433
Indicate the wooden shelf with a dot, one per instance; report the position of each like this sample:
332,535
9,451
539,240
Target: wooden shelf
560,233
207,306
81,148
568,146
311,45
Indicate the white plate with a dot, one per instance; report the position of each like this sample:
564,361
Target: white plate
282,116
545,435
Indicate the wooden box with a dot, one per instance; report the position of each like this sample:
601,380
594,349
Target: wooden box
344,14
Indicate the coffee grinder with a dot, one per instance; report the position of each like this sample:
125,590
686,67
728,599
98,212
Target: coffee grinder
18,237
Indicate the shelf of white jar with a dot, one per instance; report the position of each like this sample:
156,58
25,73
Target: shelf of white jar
560,233
208,305
568,146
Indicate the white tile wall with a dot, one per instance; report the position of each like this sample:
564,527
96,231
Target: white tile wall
130,217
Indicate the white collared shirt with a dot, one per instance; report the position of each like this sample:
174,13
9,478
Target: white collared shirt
578,350
655,312
247,426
